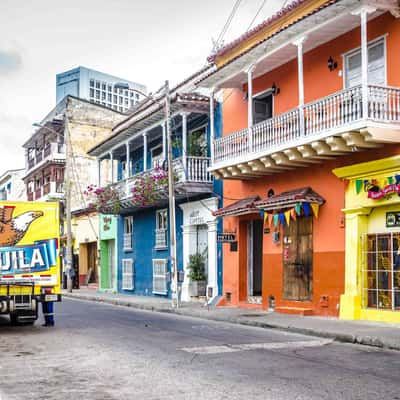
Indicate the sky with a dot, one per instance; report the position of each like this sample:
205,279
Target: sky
146,41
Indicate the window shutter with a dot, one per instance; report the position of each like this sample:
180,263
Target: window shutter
127,274
160,276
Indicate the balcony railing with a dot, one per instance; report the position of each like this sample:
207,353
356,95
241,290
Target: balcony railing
161,238
196,172
325,115
53,151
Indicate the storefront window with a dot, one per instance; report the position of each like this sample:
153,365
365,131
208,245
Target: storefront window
382,271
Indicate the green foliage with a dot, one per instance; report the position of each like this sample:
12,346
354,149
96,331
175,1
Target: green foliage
196,267
197,146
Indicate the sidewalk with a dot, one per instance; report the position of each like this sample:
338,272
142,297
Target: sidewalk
360,332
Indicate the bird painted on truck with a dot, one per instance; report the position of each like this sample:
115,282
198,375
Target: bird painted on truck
13,229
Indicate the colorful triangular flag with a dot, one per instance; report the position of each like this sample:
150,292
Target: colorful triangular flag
297,207
287,217
282,219
276,220
293,213
306,209
315,208
359,184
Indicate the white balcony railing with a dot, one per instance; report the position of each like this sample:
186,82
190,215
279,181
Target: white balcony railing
332,112
196,171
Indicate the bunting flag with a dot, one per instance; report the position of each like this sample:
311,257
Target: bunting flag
276,220
266,222
390,180
270,219
297,208
287,216
315,208
359,184
294,214
306,209
282,218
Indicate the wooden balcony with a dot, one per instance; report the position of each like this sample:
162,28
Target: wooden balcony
53,151
332,126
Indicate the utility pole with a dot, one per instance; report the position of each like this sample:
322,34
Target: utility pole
171,196
67,181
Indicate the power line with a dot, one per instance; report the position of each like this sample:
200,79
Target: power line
217,43
257,13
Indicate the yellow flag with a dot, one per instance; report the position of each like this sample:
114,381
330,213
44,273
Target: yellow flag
266,220
287,216
315,208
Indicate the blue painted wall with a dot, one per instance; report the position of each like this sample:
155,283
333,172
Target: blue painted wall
143,251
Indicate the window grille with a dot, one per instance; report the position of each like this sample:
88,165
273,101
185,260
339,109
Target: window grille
128,231
160,276
127,274
381,271
161,238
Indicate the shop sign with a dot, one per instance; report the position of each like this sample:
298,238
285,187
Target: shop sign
226,237
195,218
377,194
392,219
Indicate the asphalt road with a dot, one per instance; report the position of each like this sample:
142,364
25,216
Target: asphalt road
99,351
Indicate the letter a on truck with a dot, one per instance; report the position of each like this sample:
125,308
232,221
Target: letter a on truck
29,258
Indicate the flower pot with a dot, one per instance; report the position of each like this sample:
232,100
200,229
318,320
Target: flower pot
197,288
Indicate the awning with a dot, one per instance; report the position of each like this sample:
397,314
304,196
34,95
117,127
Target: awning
290,199
240,207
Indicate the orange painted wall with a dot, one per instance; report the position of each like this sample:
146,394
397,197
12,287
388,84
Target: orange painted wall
318,80
328,268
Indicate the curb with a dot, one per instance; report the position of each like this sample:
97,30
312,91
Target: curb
371,341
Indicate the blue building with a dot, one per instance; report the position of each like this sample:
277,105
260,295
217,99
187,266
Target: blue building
100,88
138,148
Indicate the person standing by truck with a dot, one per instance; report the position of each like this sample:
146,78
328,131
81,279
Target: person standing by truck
48,313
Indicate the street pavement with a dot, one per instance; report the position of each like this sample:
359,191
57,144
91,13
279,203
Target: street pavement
105,352
361,332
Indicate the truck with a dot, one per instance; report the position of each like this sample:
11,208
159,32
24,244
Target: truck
30,269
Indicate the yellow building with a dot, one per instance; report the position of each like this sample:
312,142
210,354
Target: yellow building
372,211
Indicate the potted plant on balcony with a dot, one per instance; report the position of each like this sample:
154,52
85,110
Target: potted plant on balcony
197,275
105,200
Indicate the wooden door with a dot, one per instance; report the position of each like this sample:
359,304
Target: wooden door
297,260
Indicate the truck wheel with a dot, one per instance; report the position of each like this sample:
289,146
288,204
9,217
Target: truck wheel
14,319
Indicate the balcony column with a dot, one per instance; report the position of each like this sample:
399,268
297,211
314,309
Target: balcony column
144,151
164,140
249,72
128,161
184,144
299,43
212,127
112,166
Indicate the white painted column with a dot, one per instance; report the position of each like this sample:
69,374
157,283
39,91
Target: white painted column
250,105
188,238
212,259
112,166
164,140
128,161
212,127
184,144
364,61
300,72
145,151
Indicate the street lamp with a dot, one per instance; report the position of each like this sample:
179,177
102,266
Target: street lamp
171,189
67,185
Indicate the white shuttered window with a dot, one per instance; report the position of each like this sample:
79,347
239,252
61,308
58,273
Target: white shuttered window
160,276
127,274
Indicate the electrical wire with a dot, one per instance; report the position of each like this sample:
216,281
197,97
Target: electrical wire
257,13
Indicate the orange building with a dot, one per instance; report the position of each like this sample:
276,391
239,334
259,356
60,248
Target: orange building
312,89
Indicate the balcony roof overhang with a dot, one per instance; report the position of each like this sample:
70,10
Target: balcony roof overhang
241,207
147,119
320,27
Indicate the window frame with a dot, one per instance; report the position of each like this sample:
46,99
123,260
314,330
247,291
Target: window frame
127,232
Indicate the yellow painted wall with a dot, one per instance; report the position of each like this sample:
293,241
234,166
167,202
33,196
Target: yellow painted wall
364,215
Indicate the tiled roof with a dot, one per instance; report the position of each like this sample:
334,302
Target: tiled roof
269,22
289,199
240,207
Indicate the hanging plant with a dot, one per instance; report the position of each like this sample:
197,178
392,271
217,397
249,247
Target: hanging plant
149,187
105,200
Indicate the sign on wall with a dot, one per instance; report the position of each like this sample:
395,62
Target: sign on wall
392,219
226,237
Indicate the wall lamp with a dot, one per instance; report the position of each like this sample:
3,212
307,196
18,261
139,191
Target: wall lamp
275,90
332,64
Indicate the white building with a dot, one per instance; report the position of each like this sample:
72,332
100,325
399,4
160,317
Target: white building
100,88
12,186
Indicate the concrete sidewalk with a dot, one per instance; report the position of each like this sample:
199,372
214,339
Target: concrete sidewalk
360,332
